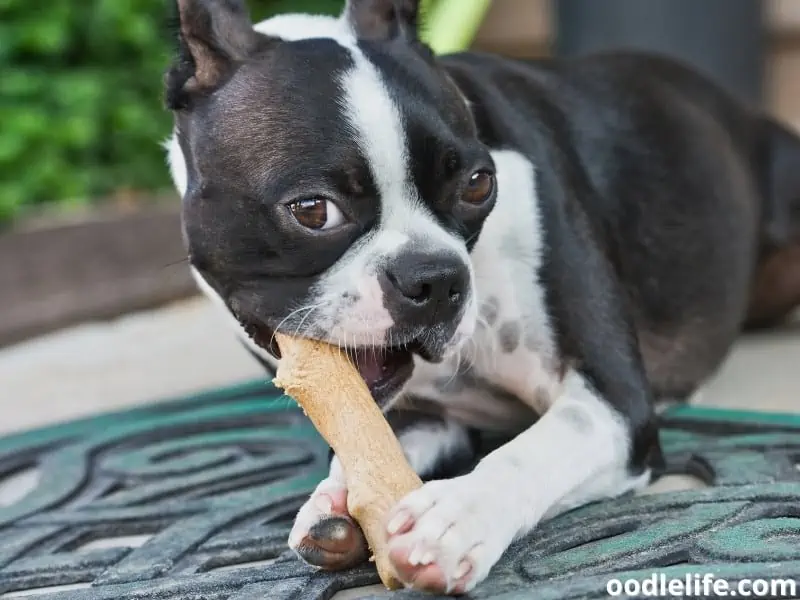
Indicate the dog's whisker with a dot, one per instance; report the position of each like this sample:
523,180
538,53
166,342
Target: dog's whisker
454,375
289,316
180,261
491,349
308,314
293,313
471,238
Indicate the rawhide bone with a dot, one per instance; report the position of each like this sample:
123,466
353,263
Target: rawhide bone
329,389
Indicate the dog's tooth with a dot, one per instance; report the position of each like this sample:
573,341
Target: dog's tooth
463,568
397,522
427,558
414,557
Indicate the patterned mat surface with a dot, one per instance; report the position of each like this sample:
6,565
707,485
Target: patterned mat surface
193,499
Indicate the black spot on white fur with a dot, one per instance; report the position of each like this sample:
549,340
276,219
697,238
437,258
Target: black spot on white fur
509,335
490,310
581,422
531,341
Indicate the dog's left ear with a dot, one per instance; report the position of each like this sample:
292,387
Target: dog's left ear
383,19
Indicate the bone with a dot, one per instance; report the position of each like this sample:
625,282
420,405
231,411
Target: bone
329,389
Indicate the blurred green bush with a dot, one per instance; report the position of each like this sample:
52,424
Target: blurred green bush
81,103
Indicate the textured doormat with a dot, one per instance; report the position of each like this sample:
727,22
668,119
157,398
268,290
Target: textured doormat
193,499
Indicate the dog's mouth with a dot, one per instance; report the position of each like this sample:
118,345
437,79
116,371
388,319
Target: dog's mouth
384,368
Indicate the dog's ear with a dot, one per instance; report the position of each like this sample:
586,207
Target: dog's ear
213,37
383,19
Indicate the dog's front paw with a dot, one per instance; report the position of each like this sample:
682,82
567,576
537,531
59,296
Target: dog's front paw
446,536
324,534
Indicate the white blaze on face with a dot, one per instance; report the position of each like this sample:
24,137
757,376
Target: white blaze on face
377,124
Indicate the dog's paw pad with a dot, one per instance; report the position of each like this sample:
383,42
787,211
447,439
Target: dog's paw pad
333,543
420,571
324,535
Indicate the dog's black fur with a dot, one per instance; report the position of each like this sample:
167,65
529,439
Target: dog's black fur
669,211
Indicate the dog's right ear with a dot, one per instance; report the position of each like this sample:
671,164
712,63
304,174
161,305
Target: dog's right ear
383,19
214,36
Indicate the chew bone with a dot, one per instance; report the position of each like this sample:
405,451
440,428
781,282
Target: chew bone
323,381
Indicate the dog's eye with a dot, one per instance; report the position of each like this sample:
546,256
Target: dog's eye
317,213
479,188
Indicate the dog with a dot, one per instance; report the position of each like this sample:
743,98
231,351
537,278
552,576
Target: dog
540,251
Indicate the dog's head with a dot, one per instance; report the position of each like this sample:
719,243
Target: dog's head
332,180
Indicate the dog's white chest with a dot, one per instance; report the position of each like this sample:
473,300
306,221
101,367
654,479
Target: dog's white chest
508,369
513,342
500,380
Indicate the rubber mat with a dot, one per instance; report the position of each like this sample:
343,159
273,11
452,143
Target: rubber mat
193,499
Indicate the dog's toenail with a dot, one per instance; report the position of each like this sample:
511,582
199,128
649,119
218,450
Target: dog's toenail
463,568
398,522
415,556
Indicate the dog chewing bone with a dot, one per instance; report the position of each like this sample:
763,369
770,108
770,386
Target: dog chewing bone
323,381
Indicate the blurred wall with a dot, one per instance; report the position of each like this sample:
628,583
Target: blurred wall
525,28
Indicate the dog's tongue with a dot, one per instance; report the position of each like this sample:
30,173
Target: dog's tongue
374,364
371,363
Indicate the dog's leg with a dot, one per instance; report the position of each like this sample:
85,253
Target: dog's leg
449,534
325,535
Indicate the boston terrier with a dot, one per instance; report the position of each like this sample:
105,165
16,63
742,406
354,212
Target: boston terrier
536,251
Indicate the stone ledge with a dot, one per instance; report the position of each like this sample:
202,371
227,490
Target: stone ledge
114,262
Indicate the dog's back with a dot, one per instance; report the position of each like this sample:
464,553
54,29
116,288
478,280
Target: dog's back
689,192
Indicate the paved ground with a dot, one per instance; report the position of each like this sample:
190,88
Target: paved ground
186,347
140,358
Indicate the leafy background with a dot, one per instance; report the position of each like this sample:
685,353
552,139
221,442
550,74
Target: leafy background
81,99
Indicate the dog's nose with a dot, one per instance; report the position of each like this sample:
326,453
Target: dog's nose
426,288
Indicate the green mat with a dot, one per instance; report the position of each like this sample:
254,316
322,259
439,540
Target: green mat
193,499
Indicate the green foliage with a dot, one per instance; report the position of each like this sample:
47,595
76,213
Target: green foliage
81,99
